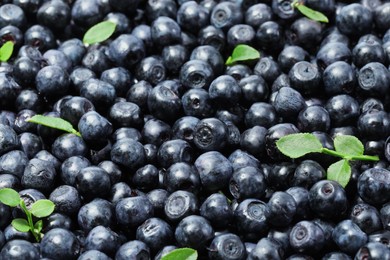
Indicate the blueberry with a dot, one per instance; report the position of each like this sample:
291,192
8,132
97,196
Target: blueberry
215,170
343,109
213,36
100,93
161,99
179,205
66,199
182,176
267,248
283,9
134,249
93,182
307,236
258,14
133,211
13,162
305,33
129,153
348,236
211,55
281,209
57,220
126,50
288,102
68,145
156,132
40,37
225,89
71,167
307,174
119,77
270,37
373,185
374,79
102,239
96,59
194,231
196,74
38,174
227,246
158,197
217,210
226,14
328,199
94,128
98,212
60,244
247,182
155,9
93,254
19,250
267,68
250,217
156,233
332,52
373,250
192,16
305,77
165,31
354,20
366,217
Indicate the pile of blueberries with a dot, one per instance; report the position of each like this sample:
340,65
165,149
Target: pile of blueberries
176,149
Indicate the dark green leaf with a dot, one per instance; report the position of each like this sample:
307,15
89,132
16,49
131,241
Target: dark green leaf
6,51
348,145
54,122
340,171
312,14
9,197
20,224
38,226
99,32
181,254
297,145
243,52
42,208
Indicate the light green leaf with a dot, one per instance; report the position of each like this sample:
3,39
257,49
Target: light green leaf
311,14
20,224
6,51
38,226
99,32
181,254
340,171
9,197
348,145
243,52
42,208
297,145
54,122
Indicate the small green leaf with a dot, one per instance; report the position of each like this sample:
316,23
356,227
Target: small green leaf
42,208
181,254
20,224
38,226
6,51
340,171
243,52
99,32
311,14
54,122
297,145
348,145
9,197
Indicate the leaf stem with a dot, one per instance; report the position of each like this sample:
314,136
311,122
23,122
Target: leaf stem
373,158
29,219
331,152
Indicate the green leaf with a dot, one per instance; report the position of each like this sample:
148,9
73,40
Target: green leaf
38,226
9,197
311,14
99,32
6,51
181,254
348,145
297,145
54,122
340,171
243,52
42,208
20,224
